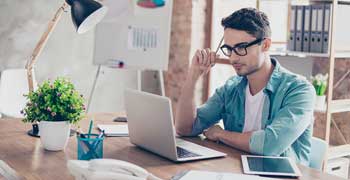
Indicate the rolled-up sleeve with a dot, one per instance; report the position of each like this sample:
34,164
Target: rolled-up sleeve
209,113
289,123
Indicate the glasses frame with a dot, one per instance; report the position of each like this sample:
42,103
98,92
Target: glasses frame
244,45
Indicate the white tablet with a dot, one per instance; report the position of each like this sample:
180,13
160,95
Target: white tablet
269,165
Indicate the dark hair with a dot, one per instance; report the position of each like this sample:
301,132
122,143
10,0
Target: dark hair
250,20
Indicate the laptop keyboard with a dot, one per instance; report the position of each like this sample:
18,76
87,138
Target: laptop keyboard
183,153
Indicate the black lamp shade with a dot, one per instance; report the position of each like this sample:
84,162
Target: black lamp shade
86,14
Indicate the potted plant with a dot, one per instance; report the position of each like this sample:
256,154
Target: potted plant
320,84
55,105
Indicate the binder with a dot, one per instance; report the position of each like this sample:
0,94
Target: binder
316,28
307,28
291,38
299,28
325,29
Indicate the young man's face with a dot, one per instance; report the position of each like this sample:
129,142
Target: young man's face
254,58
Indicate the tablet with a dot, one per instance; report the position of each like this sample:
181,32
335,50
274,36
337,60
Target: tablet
270,165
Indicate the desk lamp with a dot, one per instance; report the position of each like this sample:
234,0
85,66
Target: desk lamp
85,15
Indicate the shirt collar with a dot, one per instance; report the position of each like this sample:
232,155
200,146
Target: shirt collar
275,77
273,82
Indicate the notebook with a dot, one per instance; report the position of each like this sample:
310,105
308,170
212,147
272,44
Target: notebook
114,130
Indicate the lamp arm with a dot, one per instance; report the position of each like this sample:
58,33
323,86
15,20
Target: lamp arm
39,46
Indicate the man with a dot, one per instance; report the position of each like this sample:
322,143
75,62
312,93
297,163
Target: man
266,109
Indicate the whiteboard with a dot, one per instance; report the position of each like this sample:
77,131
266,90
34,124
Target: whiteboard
133,35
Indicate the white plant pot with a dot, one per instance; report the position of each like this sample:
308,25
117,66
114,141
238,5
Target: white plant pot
320,103
54,135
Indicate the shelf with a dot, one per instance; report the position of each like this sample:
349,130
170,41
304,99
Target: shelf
298,54
338,54
338,106
344,2
338,151
308,2
342,54
306,54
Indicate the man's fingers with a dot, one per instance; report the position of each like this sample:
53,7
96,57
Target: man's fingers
207,50
216,56
199,57
212,58
205,133
205,57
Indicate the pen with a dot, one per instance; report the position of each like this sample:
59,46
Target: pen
90,128
217,49
102,133
98,137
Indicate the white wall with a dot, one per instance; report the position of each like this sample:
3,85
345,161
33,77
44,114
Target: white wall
197,40
66,53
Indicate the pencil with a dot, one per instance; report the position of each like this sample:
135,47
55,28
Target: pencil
217,49
90,128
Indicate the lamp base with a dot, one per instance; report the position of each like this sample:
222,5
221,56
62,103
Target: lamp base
35,131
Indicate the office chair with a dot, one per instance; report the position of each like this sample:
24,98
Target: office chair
13,85
318,150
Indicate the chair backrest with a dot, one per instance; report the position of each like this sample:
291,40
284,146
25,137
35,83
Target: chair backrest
318,150
13,85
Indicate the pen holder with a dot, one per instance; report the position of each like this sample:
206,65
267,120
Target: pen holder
90,147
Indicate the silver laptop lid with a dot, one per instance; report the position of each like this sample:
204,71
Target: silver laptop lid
150,122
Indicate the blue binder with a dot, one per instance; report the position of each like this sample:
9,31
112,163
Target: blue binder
299,28
325,31
291,38
307,29
316,28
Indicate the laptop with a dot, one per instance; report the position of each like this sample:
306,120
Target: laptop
150,124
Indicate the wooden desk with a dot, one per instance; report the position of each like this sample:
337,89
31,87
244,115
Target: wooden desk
25,155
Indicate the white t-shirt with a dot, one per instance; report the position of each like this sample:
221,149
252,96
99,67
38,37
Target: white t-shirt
253,110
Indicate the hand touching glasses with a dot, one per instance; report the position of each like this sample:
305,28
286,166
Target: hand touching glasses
203,60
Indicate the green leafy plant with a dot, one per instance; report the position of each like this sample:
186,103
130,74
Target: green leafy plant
54,101
320,83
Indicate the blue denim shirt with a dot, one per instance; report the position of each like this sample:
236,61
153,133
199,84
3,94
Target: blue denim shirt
287,117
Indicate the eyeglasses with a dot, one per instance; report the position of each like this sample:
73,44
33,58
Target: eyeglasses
239,49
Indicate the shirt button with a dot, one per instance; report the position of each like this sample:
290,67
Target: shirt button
240,125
